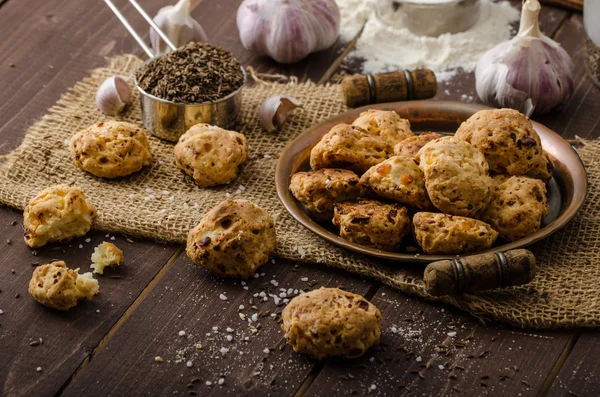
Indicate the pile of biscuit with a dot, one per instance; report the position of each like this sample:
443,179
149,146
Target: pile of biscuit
379,183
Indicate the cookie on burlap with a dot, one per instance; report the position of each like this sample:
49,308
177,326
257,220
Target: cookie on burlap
56,286
106,254
398,178
211,155
456,176
517,207
411,146
443,234
318,190
330,322
506,137
348,147
372,223
111,149
386,124
233,239
57,214
542,168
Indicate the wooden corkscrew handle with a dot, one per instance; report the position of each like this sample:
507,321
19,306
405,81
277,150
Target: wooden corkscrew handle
479,272
360,90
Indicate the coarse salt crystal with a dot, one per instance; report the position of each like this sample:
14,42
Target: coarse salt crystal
229,329
189,364
39,369
1,311
274,282
256,275
265,299
393,330
255,317
146,198
246,287
276,300
66,142
282,294
229,338
452,334
208,383
327,181
237,192
107,235
243,283
87,240
228,195
165,192
290,291
373,387
216,329
213,127
302,252
221,381
228,150
132,196
242,188
181,333
224,351
241,307
286,300
112,238
172,198
372,359
419,359
266,351
441,366
80,246
262,294
268,156
161,162
222,297
151,197
273,314
148,190
304,279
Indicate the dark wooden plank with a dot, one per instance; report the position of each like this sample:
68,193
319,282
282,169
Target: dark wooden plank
188,299
579,375
68,338
481,360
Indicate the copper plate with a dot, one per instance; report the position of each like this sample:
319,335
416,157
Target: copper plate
566,190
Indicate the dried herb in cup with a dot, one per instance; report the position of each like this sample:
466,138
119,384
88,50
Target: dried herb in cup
197,72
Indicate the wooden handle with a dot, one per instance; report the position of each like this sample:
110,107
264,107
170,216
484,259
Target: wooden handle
480,272
361,90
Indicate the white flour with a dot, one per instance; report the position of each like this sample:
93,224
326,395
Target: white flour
385,48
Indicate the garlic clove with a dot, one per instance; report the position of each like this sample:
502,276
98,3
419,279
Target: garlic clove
179,26
113,95
274,111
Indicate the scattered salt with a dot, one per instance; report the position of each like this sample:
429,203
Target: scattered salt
228,195
1,311
419,359
80,245
222,297
112,238
441,367
229,329
305,279
132,196
39,369
208,383
87,240
452,334
189,364
165,192
241,307
255,317
181,333
266,351
216,329
268,156
221,381
148,190
224,351
229,338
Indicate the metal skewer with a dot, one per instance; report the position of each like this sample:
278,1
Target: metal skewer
132,31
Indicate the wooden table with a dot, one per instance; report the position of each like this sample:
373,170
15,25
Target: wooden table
109,345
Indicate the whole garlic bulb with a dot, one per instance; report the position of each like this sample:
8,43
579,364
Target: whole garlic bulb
179,26
288,30
530,73
113,95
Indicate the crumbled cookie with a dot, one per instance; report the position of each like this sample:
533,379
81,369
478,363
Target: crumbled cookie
456,176
56,286
350,148
443,234
57,214
400,179
318,190
233,239
211,155
386,124
329,322
372,223
518,206
106,254
111,149
411,146
506,137
542,168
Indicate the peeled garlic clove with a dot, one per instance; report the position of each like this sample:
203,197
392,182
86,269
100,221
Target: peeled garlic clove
179,26
274,111
113,95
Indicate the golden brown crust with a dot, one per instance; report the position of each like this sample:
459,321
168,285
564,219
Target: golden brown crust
400,179
372,223
385,124
443,234
318,190
57,214
330,322
233,239
542,168
411,146
348,147
456,176
111,149
211,155
506,137
517,207
56,286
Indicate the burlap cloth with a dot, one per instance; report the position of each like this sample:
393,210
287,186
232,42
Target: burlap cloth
565,293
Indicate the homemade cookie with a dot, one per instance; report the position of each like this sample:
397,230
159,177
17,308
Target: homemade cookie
398,178
106,254
456,176
233,239
542,168
443,234
318,190
388,125
517,207
372,223
57,214
350,148
506,137
56,286
329,322
411,146
211,155
111,149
